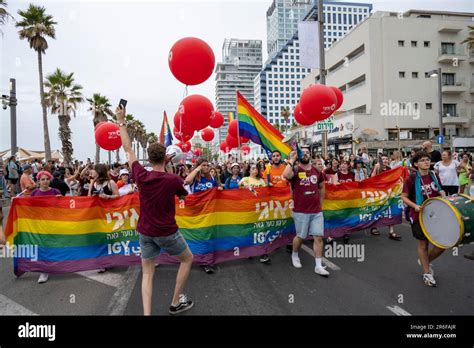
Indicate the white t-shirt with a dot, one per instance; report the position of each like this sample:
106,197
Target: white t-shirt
448,174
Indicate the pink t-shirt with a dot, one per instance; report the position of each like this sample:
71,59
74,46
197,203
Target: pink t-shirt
50,192
306,184
157,203
428,189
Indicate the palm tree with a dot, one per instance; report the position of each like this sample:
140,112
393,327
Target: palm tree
36,26
62,96
100,107
470,39
140,136
4,15
285,113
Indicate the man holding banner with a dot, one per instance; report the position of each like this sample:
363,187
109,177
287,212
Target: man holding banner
157,224
308,193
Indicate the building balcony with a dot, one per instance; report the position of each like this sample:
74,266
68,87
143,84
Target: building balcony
449,56
471,56
457,87
450,28
455,120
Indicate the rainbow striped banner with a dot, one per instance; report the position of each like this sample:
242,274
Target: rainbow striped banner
74,234
354,206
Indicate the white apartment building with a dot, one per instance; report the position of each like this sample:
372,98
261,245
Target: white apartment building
242,60
381,67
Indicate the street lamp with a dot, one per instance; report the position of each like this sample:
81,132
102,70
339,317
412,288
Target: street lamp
437,73
11,101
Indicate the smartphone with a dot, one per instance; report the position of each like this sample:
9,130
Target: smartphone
123,103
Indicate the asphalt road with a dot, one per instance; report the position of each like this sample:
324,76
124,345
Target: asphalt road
386,282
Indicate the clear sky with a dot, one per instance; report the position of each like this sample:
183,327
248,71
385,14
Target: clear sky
119,48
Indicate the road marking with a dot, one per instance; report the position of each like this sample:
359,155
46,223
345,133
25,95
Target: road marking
107,278
120,299
398,311
10,307
328,263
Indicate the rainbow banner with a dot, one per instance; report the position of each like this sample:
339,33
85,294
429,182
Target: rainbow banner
354,206
72,234
254,126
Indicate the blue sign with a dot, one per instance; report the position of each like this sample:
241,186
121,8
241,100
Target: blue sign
440,139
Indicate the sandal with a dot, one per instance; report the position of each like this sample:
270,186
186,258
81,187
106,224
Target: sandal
394,236
374,231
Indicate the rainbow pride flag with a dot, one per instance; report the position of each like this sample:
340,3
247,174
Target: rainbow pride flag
254,126
231,116
355,206
166,138
72,234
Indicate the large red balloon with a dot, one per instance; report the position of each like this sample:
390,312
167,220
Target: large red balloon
191,61
231,141
186,146
196,111
99,124
300,118
318,102
207,134
178,124
217,120
182,136
339,96
232,130
245,149
224,147
107,136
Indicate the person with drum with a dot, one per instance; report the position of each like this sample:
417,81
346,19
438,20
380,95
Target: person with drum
447,169
418,188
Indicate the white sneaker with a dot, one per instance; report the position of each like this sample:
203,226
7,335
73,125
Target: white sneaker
296,261
321,271
431,271
429,279
43,278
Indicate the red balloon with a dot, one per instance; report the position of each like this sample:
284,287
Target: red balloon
182,136
245,149
244,140
339,96
197,111
318,102
300,118
217,120
232,130
207,134
198,152
107,136
99,124
186,147
231,141
224,147
191,61
178,124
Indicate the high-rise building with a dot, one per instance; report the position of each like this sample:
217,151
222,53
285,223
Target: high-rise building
242,60
385,69
277,85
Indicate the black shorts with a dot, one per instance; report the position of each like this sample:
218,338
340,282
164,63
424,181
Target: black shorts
451,190
417,231
13,181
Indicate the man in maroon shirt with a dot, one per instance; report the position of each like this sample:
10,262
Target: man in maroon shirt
308,194
416,189
157,224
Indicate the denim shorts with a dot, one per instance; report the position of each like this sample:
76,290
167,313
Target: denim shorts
151,246
309,224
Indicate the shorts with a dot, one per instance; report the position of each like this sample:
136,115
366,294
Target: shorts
417,231
151,246
450,190
309,224
13,181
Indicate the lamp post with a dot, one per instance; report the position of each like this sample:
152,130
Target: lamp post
437,73
322,68
11,101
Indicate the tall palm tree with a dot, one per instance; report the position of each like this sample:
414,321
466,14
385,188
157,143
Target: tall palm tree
35,26
131,130
285,113
140,136
470,39
4,15
62,96
100,107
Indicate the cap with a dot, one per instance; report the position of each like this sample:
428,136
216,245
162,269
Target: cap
234,164
26,167
57,174
124,172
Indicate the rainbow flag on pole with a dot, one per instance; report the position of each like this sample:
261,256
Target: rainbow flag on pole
231,116
165,135
254,126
